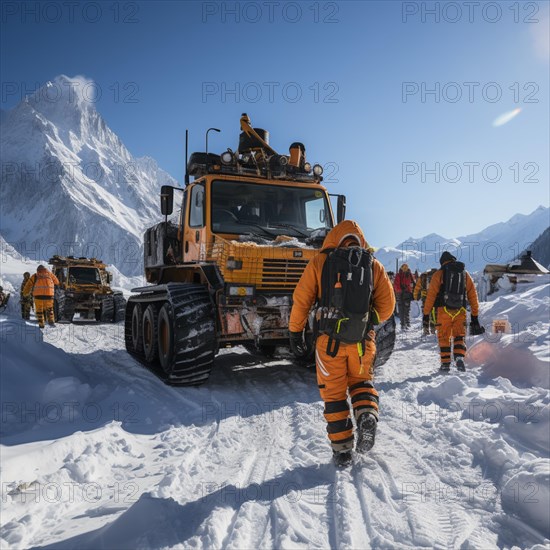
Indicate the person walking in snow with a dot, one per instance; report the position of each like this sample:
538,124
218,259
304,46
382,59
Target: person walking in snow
353,293
26,301
420,292
41,284
403,285
450,288
4,298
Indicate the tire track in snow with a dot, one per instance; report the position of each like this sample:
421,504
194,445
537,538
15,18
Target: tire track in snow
249,523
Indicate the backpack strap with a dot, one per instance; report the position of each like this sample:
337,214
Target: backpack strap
332,346
439,302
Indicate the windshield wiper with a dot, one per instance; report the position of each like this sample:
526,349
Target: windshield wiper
289,226
266,231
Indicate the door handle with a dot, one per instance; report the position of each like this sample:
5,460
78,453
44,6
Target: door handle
197,236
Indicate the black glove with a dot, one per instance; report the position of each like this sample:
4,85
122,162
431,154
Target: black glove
426,322
297,344
475,328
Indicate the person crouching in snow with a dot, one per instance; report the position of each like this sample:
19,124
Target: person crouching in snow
450,287
41,284
353,293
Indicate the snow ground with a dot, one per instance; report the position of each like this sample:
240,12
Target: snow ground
98,453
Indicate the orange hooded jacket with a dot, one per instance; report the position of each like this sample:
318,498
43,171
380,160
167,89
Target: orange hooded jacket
308,289
41,284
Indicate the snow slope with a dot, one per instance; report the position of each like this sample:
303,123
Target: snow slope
498,243
97,453
59,156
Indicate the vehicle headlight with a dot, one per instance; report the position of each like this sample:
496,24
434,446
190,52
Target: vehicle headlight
307,167
233,264
318,170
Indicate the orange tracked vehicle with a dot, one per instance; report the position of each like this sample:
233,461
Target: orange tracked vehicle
224,271
85,288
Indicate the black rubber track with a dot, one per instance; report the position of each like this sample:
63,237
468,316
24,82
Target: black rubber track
194,333
63,306
120,307
107,312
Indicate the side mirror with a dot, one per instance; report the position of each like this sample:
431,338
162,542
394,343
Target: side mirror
109,277
341,211
166,200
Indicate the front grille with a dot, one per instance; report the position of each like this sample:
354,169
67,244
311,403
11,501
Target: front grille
282,273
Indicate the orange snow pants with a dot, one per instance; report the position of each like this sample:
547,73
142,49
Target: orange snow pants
451,331
43,306
349,372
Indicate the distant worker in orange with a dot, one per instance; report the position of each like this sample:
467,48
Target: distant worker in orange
450,287
353,293
403,285
420,293
41,284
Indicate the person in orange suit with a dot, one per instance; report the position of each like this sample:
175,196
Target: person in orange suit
451,323
41,284
420,293
350,369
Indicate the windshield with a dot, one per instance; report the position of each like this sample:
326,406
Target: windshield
84,275
268,210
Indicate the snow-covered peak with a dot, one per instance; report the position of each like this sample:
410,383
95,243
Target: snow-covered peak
87,188
498,243
63,92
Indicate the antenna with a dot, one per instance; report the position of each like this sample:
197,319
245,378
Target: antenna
186,180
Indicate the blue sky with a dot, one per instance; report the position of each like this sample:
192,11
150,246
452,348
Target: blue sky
349,79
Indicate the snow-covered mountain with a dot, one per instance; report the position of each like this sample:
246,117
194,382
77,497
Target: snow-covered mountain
498,243
69,185
541,248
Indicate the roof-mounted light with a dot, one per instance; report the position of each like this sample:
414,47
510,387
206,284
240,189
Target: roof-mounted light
318,170
307,167
227,157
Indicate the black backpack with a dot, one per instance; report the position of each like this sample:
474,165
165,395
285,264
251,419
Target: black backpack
453,287
346,292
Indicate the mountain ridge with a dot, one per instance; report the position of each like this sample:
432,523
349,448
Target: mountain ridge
69,182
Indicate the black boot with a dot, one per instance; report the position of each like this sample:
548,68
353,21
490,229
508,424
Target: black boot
460,365
445,367
366,432
341,458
